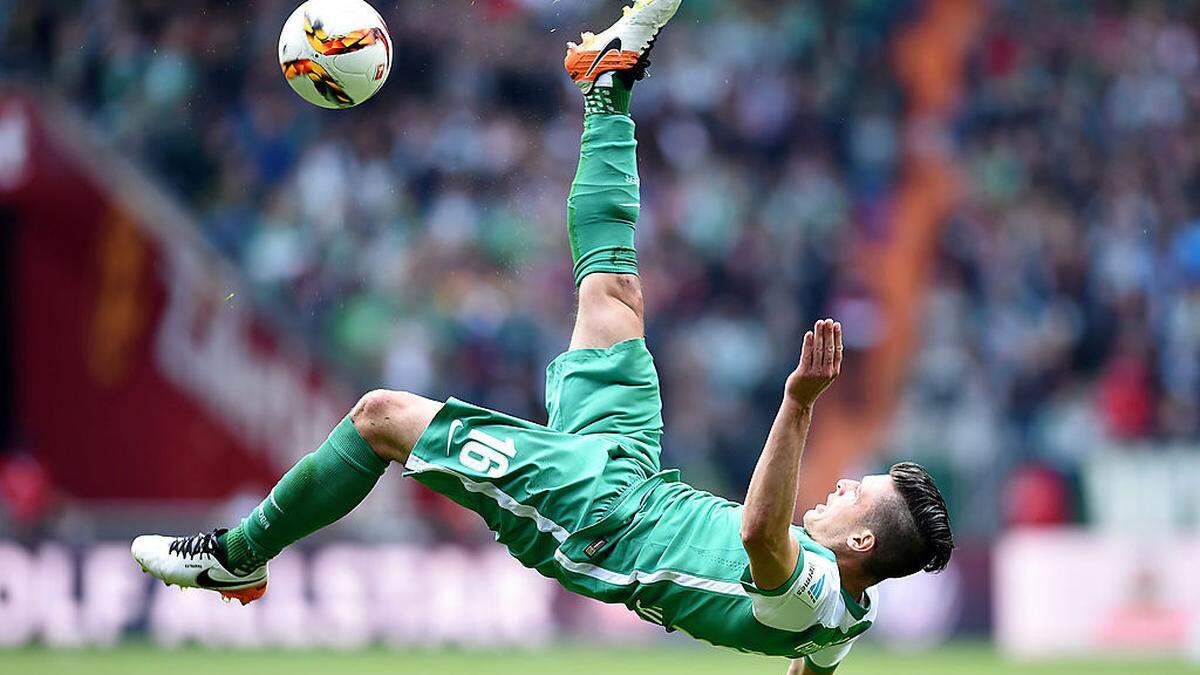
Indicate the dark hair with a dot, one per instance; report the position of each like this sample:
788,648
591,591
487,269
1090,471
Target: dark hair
912,531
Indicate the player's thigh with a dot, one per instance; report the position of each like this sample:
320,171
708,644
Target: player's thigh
611,392
532,485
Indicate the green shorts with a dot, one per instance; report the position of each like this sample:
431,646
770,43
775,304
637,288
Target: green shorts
535,485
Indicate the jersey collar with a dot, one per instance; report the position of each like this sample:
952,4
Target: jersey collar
856,610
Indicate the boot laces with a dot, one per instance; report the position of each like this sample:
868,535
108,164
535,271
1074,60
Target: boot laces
204,543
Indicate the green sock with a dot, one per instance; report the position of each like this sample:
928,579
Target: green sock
603,206
606,100
321,488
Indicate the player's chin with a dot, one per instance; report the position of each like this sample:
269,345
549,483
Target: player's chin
815,515
810,516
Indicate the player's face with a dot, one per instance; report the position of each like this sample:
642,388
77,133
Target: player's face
846,507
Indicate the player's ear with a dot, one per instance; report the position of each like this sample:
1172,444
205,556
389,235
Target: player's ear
861,541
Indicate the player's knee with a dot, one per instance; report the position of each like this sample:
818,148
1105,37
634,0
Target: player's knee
380,416
628,289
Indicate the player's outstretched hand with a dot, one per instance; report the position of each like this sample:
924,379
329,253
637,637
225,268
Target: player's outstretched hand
820,363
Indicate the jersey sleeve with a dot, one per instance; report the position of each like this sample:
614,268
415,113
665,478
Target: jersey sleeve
800,602
827,660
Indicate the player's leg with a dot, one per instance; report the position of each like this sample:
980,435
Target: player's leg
610,310
606,384
321,488
604,202
602,212
534,485
328,483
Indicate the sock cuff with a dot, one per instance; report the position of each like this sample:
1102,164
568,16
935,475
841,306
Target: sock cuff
242,554
620,98
613,259
612,100
352,447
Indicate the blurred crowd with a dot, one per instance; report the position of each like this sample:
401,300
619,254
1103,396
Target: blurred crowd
420,241
1066,309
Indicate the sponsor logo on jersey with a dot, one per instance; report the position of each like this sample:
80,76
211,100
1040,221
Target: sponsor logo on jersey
841,641
807,648
649,613
814,591
809,592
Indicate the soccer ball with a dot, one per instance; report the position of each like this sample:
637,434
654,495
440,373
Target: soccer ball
335,53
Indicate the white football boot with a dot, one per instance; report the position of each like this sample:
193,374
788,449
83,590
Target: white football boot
197,562
623,48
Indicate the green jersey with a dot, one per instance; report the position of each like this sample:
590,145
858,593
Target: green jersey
584,501
673,554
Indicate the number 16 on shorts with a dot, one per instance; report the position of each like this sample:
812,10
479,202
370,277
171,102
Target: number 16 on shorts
486,454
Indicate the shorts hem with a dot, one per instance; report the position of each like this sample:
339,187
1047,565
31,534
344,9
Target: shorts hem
593,353
442,413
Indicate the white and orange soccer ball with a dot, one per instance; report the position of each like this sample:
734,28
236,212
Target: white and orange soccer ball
335,53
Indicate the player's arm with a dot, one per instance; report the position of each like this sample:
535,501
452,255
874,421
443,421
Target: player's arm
771,499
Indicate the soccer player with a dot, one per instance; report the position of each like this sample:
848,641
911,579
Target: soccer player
583,499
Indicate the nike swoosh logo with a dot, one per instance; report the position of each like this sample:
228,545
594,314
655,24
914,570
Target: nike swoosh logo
205,581
615,43
454,426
